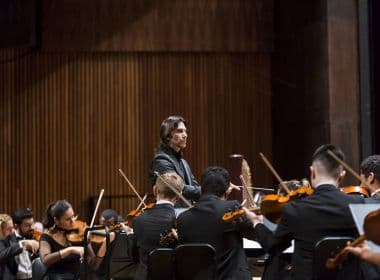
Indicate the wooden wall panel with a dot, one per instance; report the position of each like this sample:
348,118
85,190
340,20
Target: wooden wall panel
158,25
70,120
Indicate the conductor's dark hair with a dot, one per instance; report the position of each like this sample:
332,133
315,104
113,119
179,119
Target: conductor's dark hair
168,126
215,180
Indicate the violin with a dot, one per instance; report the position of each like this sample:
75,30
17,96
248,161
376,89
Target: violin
238,213
76,234
272,204
355,190
169,238
371,232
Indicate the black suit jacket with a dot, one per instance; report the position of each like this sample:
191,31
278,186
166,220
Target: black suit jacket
147,230
373,199
9,248
165,161
308,220
203,224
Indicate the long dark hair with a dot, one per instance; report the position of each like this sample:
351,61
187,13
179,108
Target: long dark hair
168,126
55,210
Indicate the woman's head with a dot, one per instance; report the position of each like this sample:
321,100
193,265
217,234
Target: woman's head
59,213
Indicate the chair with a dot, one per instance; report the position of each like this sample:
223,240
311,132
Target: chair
195,262
328,247
161,264
38,269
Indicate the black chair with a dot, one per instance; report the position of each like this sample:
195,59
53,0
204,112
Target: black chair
195,262
38,269
328,247
161,264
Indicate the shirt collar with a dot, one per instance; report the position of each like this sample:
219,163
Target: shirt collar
164,201
375,192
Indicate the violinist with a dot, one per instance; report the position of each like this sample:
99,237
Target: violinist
204,224
308,220
17,250
157,220
57,253
168,158
6,225
370,174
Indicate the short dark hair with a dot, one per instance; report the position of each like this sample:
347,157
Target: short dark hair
371,164
55,210
215,180
168,126
329,165
21,214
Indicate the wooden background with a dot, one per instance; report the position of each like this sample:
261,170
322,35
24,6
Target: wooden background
249,76
77,109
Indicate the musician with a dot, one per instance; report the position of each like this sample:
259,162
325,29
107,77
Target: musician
203,224
18,249
109,217
308,220
6,225
155,221
168,158
62,259
370,174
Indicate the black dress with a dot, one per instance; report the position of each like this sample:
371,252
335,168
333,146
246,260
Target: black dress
67,268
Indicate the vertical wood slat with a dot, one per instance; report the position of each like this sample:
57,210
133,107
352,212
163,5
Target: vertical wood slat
70,120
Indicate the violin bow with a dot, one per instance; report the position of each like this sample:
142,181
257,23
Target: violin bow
132,187
97,207
173,189
349,169
274,172
142,201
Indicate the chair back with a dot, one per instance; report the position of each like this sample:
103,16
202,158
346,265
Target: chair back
195,261
161,264
326,248
38,269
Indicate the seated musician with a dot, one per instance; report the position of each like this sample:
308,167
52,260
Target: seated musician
157,220
61,258
6,225
370,174
18,249
111,218
308,220
203,224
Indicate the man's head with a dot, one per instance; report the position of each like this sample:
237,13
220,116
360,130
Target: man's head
23,221
325,168
215,180
109,217
6,224
163,191
370,172
173,133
